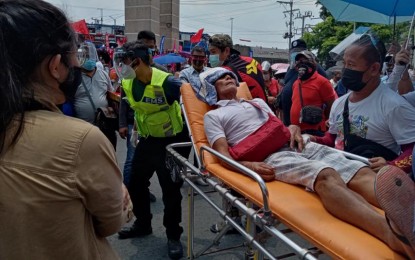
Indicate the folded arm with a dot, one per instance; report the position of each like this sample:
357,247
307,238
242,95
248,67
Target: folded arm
264,170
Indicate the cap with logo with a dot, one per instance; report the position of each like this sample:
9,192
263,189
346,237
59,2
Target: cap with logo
298,44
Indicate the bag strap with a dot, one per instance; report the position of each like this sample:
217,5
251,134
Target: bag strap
346,122
257,106
301,94
89,95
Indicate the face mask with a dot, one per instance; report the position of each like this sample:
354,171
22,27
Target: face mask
152,51
71,83
266,77
214,60
127,72
352,79
305,70
89,65
198,63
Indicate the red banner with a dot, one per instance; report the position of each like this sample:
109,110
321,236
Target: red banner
197,37
80,27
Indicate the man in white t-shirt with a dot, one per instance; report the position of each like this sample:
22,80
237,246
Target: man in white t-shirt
376,112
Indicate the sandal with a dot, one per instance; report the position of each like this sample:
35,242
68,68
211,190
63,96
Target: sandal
395,192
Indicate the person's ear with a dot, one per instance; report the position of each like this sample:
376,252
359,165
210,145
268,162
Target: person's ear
227,51
54,66
375,69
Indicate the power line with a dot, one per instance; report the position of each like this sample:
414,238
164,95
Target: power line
220,3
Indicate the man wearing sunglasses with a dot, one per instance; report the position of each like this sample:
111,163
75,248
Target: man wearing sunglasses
198,59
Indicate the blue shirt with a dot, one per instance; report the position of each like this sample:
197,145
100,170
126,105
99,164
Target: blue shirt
190,75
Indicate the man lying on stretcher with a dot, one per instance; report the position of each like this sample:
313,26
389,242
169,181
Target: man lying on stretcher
346,187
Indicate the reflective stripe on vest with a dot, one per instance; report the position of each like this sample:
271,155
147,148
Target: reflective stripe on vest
153,115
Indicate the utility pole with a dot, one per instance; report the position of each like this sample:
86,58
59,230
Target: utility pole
231,27
115,23
302,17
102,14
289,35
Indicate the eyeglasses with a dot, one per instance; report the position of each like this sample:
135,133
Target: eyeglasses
81,55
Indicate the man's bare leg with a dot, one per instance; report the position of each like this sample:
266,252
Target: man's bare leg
349,206
363,183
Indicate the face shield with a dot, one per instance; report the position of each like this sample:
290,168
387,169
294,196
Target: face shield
81,56
91,56
122,63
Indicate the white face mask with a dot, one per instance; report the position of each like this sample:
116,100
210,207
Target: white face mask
126,72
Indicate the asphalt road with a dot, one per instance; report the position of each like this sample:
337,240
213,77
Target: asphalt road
154,246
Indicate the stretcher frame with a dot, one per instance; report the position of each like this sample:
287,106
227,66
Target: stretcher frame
333,237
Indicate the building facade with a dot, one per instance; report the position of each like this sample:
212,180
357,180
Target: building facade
158,16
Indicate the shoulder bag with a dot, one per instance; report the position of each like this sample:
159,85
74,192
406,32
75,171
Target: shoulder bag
105,117
362,146
312,115
267,139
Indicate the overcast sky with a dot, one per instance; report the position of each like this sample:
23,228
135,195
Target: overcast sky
260,21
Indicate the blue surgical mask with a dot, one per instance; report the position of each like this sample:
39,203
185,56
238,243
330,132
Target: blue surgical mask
89,65
214,60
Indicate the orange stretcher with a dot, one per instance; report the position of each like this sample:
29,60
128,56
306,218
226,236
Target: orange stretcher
299,210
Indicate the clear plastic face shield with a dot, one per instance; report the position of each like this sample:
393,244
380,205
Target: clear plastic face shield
122,64
90,55
80,56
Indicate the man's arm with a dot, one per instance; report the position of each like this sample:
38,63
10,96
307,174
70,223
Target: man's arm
123,114
264,170
405,84
183,77
171,88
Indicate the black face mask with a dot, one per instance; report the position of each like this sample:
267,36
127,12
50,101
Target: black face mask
305,70
71,83
352,79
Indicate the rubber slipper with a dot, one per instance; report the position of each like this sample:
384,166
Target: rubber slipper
395,192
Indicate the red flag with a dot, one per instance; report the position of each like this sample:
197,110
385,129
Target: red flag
80,27
197,37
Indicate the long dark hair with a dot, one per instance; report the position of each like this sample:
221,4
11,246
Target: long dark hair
30,32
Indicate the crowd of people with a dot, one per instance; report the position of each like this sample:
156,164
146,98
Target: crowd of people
57,168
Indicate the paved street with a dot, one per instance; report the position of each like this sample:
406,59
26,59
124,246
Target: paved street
154,246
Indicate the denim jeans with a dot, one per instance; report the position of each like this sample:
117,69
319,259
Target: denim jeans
129,158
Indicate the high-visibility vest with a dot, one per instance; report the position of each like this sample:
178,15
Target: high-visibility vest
153,115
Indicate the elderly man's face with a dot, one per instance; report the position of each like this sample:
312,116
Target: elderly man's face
226,87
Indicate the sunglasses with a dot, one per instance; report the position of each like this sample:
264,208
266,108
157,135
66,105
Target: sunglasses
198,58
374,41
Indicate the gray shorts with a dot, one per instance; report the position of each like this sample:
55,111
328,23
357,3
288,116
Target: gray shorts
303,168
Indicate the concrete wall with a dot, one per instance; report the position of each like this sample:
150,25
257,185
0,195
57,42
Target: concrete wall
158,16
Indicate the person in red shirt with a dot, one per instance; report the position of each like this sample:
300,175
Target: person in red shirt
271,84
247,69
315,91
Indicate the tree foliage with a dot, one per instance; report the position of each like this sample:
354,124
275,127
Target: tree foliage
327,34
